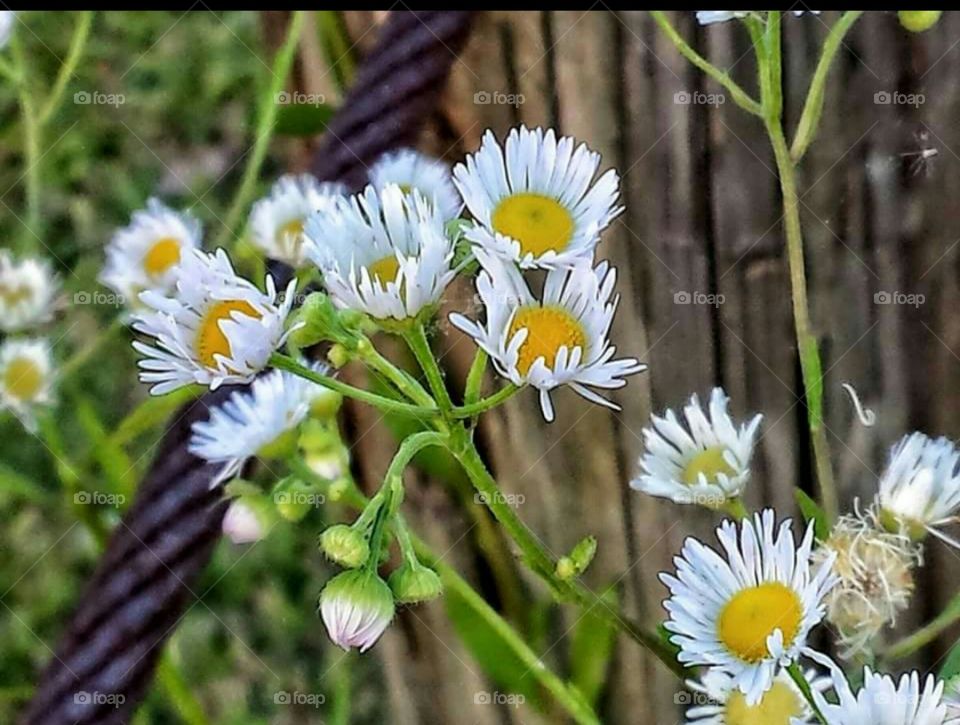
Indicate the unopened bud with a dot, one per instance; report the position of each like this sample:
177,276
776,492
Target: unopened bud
356,607
413,583
248,519
916,21
345,546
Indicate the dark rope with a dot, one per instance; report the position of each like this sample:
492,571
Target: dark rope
146,580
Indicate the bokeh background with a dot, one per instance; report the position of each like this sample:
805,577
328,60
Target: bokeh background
704,300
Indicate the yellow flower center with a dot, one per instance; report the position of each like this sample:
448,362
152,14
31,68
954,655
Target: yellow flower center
211,340
161,256
538,222
14,294
23,378
777,706
710,463
384,270
753,614
548,329
291,231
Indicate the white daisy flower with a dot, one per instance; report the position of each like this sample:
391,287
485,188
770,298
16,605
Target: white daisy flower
882,700
706,461
277,221
26,378
260,421
748,614
920,490
411,170
144,254
28,289
383,253
535,201
559,339
718,702
709,17
218,328
8,19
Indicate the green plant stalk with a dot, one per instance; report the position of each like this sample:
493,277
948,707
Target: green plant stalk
796,674
472,390
77,360
565,695
926,634
78,43
179,691
539,559
409,448
388,405
740,96
31,140
810,364
403,382
337,47
416,338
474,409
266,122
813,106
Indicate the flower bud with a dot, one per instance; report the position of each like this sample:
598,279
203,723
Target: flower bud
916,21
356,607
413,583
338,356
247,519
294,498
345,546
318,319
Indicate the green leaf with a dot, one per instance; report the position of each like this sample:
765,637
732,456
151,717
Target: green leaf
591,649
813,378
303,119
13,482
490,650
812,511
113,460
951,667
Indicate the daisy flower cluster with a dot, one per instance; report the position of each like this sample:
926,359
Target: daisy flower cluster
28,297
744,612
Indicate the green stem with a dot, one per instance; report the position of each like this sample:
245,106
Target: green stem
31,140
266,122
76,361
81,32
810,364
796,674
736,508
410,447
740,96
502,395
388,405
416,338
368,355
567,696
813,106
471,392
179,691
926,634
540,560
